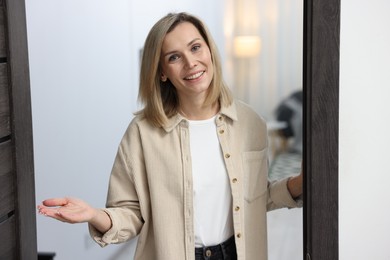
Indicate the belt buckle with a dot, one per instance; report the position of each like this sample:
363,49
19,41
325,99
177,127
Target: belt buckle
207,252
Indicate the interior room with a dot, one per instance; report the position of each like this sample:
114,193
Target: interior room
84,66
68,89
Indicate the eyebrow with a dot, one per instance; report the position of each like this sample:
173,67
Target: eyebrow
188,44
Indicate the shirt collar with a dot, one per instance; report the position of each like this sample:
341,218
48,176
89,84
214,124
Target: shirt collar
228,111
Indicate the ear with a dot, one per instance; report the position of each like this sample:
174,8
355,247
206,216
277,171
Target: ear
163,78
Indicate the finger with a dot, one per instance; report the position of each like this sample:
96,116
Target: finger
48,211
55,202
54,213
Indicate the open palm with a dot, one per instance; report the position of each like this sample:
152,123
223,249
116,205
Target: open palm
70,210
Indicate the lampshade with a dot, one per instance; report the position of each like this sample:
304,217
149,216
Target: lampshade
247,46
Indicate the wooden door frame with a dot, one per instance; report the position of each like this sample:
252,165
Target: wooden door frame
21,128
321,124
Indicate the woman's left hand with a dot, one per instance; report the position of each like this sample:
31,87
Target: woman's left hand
295,184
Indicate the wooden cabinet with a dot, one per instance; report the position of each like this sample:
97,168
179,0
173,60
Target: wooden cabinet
17,195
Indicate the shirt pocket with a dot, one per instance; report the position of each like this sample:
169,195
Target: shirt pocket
255,174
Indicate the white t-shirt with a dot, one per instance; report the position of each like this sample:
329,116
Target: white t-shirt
212,195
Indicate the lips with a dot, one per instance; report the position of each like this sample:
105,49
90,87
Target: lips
194,76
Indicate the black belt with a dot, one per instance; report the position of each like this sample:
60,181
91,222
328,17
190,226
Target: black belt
227,247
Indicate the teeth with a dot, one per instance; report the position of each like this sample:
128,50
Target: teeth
197,75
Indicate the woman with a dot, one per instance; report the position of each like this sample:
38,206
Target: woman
190,175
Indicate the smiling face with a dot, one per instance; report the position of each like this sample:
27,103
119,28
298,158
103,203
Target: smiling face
186,62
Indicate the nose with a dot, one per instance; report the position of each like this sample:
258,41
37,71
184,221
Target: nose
190,61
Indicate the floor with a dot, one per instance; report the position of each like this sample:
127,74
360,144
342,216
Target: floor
285,227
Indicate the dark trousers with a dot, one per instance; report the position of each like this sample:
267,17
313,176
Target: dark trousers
223,251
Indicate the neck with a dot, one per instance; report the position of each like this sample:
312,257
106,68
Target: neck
201,112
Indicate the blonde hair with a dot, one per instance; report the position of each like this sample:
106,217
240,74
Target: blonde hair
160,98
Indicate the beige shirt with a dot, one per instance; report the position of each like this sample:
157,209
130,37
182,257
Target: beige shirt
151,195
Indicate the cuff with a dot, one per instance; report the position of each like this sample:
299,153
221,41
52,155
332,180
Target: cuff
281,196
110,237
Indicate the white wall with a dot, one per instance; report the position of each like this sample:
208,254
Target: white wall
84,83
275,73
364,130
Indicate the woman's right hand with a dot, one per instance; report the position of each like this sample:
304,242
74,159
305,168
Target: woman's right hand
70,210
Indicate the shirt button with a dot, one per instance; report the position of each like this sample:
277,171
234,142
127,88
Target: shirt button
220,118
238,235
221,131
227,155
237,208
234,180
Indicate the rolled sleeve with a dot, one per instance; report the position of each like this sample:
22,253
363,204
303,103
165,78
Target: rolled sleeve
279,196
124,227
111,236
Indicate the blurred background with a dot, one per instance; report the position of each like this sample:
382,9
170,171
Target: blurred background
84,67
